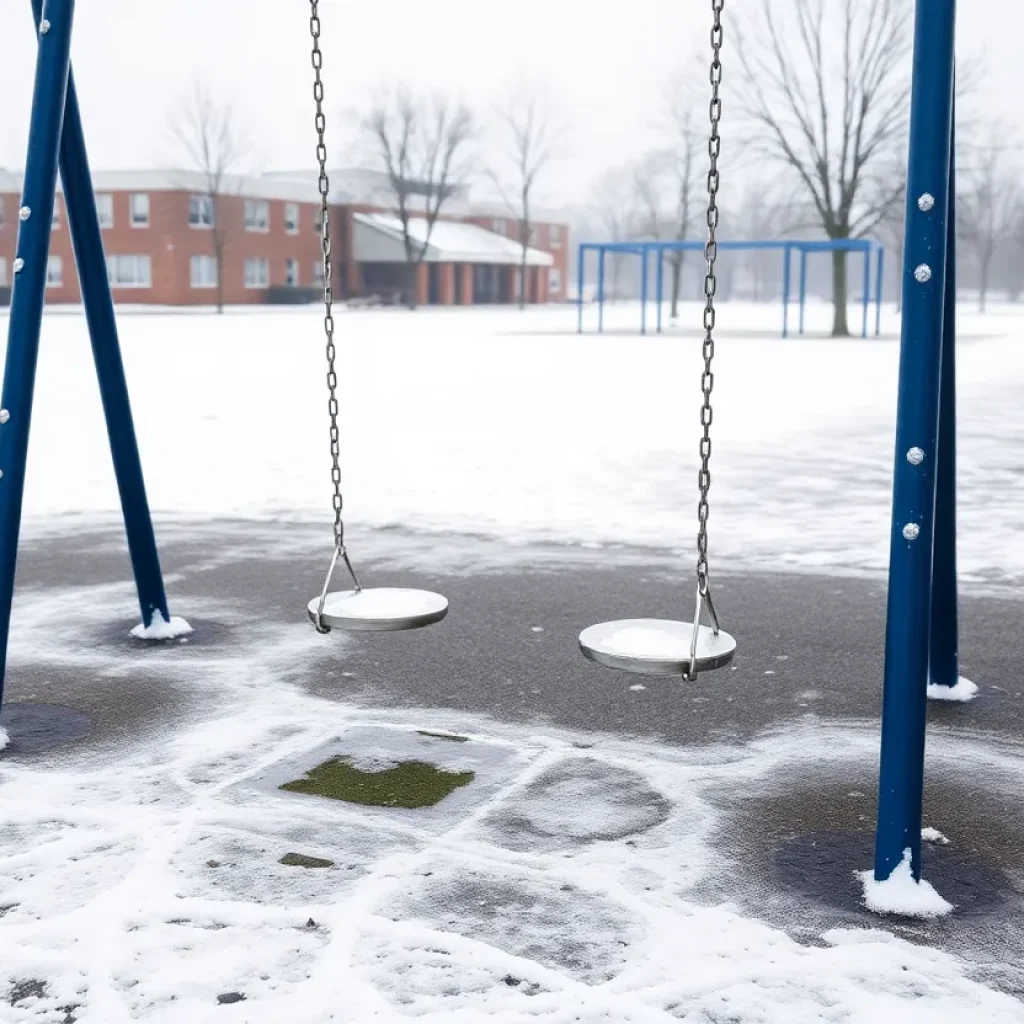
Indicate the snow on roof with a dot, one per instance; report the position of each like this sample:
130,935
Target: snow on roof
453,241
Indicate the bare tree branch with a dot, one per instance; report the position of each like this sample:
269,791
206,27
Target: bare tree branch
216,145
420,144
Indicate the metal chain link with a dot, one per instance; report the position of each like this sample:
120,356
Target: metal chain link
325,240
707,380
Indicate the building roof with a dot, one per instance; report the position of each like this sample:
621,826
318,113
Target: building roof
379,239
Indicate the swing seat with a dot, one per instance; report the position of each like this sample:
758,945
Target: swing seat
380,609
656,647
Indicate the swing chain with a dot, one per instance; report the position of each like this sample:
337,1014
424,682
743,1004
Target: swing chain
332,376
707,379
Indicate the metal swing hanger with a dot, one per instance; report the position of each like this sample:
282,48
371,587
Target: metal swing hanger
378,608
664,646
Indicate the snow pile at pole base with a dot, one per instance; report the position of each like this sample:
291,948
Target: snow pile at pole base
161,629
964,691
933,835
900,894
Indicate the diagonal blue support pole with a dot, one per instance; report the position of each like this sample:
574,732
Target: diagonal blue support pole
879,288
84,224
580,267
785,291
944,659
908,617
31,256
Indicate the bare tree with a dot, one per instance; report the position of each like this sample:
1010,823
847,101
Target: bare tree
420,145
612,203
685,149
989,204
648,186
826,97
215,142
528,135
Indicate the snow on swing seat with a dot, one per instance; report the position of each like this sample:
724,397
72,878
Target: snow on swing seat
658,647
380,609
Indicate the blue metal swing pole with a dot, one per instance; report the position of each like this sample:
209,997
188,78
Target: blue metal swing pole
944,660
600,289
31,257
785,291
580,267
908,617
866,289
879,287
803,286
84,225
643,289
659,283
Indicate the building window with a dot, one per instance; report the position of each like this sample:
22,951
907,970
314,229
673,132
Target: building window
1,211
556,236
291,218
499,226
318,220
105,209
200,211
318,273
257,215
554,279
55,272
291,273
56,212
3,272
140,210
130,271
204,272
257,273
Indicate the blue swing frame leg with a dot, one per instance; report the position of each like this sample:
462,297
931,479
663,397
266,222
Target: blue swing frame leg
84,225
944,660
910,606
52,68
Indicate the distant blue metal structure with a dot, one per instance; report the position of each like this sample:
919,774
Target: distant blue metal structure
921,634
858,246
55,135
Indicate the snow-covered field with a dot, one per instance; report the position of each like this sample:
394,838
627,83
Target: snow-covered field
509,424
560,888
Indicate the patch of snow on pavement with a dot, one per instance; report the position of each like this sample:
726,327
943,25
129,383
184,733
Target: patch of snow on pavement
901,894
161,629
963,691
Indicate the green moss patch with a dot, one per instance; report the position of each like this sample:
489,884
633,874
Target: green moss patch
451,737
300,860
410,784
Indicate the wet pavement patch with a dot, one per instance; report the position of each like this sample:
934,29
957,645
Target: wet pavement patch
822,866
410,784
37,727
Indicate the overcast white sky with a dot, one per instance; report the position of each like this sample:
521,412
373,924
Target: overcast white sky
603,62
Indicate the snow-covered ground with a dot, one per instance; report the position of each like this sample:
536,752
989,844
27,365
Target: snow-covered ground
561,888
509,424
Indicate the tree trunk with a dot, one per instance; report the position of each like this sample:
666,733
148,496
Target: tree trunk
677,284
219,260
983,286
522,280
840,327
410,297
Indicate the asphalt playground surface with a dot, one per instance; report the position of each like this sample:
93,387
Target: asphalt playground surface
810,650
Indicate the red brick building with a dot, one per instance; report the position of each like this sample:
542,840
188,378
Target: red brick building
159,238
